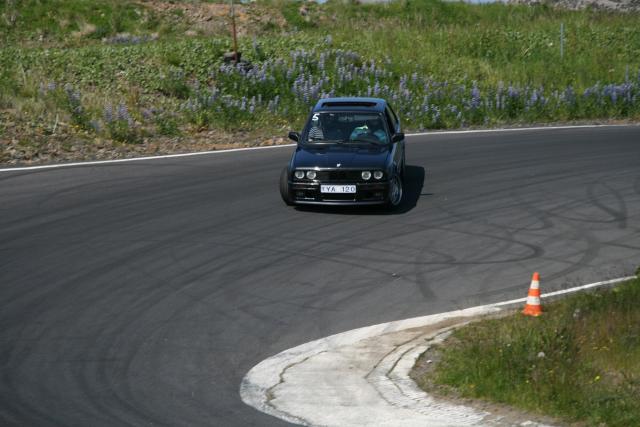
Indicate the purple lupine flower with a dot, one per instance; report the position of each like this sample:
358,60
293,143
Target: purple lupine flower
425,105
108,114
376,88
569,95
43,89
306,94
123,114
613,93
628,88
147,114
500,96
475,97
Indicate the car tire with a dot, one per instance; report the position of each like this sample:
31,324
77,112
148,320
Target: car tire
284,187
395,192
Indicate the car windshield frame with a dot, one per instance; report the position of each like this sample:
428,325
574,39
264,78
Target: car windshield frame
370,139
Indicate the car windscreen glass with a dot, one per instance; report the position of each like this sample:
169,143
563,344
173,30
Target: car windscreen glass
346,127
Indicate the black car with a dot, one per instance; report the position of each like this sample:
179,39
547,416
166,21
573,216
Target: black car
351,152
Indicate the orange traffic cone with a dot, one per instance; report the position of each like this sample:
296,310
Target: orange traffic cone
532,307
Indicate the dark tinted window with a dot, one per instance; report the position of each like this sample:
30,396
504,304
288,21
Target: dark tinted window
346,127
349,104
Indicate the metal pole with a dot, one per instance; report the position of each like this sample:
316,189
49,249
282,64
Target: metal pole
235,38
561,40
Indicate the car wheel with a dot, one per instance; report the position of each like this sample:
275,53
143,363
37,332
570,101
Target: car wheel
284,187
395,191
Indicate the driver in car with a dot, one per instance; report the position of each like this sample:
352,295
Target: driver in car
370,127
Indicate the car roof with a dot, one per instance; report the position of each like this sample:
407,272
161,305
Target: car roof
351,104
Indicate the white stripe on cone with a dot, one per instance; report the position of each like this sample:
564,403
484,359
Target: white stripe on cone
533,300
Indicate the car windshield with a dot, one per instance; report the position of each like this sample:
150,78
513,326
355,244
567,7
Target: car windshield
346,127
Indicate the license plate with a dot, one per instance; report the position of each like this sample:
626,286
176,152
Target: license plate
338,189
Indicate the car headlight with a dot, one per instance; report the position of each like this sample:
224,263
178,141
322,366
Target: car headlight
366,175
378,174
299,174
311,174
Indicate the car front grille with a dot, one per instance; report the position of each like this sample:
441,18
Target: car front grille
339,176
339,198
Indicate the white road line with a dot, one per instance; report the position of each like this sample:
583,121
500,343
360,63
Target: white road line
338,381
567,291
536,128
233,150
138,159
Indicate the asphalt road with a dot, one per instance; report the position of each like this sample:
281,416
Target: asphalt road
141,293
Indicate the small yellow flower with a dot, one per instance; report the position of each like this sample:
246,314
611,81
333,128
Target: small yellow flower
597,378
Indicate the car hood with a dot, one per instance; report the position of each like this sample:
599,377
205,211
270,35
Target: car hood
347,155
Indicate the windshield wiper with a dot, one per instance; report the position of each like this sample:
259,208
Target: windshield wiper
326,141
368,141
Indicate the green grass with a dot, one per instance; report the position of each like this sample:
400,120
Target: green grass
442,64
493,42
72,22
579,361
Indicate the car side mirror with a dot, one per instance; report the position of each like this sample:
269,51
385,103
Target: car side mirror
294,136
397,137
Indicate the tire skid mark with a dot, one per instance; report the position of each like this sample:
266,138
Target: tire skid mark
173,269
81,376
618,215
591,199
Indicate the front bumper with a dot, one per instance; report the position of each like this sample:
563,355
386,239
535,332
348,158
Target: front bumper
370,193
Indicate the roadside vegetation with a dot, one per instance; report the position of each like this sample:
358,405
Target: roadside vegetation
93,76
579,361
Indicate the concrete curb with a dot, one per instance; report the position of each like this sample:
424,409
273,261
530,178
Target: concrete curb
361,377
